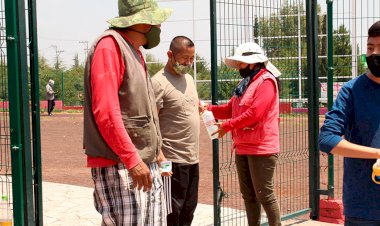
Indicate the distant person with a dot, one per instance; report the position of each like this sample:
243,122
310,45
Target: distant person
50,96
177,103
253,119
352,129
122,138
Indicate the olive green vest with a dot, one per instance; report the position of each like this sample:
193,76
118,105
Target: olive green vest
137,105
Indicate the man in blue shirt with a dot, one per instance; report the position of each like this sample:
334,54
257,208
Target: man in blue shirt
352,129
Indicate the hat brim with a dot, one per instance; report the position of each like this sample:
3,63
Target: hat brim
233,61
152,17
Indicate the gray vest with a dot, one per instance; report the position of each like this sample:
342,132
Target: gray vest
137,104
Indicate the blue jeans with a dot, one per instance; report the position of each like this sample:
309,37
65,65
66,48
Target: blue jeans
354,221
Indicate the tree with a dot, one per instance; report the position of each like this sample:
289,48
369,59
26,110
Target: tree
46,72
280,35
203,73
153,64
76,60
73,86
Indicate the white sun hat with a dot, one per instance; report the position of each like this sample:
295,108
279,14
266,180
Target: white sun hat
251,53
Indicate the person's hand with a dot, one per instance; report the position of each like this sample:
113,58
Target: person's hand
221,132
202,108
141,176
166,174
161,158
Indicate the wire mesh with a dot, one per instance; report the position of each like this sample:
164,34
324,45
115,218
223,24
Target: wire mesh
5,154
279,28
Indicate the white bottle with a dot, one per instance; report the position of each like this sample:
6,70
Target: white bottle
209,121
5,212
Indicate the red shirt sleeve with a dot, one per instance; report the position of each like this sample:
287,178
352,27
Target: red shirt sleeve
223,111
263,99
107,72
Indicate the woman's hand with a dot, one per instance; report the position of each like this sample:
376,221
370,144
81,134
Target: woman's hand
221,132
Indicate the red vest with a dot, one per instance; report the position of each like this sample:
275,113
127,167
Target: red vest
263,137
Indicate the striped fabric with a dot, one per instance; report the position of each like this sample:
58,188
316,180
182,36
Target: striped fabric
168,193
122,205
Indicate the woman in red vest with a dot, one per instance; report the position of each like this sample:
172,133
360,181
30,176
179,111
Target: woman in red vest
252,117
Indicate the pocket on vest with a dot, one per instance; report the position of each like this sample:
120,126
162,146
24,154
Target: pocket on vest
139,131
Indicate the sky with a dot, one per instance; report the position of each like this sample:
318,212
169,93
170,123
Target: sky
68,27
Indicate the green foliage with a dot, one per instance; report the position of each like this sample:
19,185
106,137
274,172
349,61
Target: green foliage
285,44
73,80
68,83
153,65
3,82
203,78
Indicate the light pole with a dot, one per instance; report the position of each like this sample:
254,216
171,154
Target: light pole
57,53
85,49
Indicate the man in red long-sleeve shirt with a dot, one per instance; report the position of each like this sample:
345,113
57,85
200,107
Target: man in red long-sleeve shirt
122,137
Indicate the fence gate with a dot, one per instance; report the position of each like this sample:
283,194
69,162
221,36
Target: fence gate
317,45
280,28
20,168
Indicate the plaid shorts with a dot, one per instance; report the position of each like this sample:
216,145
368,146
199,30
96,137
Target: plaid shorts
120,204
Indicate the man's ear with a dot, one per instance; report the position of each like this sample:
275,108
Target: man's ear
169,54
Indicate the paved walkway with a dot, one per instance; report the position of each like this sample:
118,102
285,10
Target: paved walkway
73,205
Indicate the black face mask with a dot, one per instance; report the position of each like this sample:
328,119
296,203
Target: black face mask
373,62
248,75
245,72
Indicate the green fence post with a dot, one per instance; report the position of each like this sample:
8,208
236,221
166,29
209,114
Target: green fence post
35,98
23,207
330,91
214,93
313,102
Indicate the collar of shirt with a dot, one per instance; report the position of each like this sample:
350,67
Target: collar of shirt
127,39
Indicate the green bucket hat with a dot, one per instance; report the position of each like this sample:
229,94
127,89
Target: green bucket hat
133,12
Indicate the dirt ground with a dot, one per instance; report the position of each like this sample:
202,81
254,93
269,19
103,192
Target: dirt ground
64,161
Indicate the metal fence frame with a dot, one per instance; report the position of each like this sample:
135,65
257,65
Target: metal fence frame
321,58
20,124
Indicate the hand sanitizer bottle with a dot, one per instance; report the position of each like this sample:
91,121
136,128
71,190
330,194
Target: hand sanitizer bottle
209,121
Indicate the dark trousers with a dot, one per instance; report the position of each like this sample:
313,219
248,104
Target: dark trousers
354,221
257,187
184,188
51,104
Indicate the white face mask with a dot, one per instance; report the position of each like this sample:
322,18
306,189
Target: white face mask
182,69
